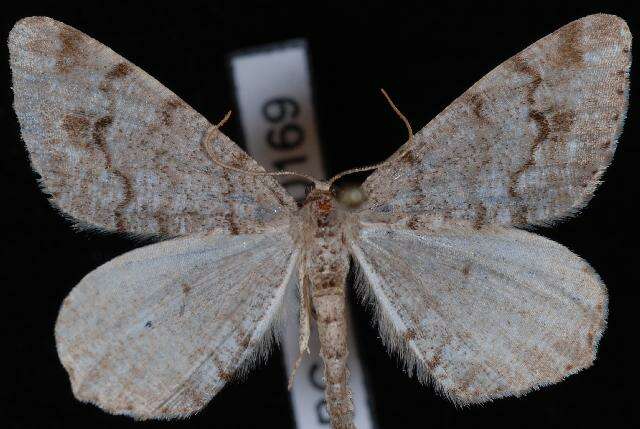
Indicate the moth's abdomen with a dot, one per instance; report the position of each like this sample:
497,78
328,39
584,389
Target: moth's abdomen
327,272
329,306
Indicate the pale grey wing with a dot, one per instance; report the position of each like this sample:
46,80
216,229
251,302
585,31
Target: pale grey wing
483,314
157,332
117,150
528,143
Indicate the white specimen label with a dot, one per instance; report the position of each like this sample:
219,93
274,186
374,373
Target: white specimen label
273,92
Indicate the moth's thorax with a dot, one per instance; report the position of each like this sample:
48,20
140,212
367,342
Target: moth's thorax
322,229
322,210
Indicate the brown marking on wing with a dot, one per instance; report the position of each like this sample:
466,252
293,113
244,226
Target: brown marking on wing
185,288
481,215
409,158
118,71
168,109
477,106
521,66
518,215
562,121
99,128
435,360
224,375
99,138
537,116
128,196
409,334
71,53
245,342
543,129
77,127
233,223
466,270
37,45
413,223
162,221
570,52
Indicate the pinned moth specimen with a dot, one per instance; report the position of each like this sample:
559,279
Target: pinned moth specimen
469,299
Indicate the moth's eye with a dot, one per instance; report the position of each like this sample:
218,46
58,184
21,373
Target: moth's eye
308,187
350,195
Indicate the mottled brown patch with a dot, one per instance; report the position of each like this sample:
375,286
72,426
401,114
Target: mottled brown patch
413,223
71,53
590,338
568,367
409,334
118,71
519,215
562,121
77,127
434,362
570,50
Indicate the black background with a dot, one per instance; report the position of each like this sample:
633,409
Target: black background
425,57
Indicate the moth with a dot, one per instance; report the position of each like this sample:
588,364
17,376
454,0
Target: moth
468,298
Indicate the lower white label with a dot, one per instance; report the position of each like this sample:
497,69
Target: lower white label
273,91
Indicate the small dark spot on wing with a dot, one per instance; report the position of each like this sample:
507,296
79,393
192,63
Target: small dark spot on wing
186,288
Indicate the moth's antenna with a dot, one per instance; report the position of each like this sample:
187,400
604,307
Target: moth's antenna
403,152
210,136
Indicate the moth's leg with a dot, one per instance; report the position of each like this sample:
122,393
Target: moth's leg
305,322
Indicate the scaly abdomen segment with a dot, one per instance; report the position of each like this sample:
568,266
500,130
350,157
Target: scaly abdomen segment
329,306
